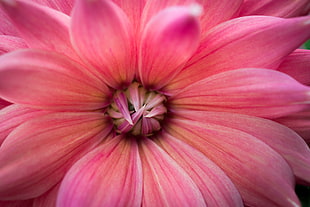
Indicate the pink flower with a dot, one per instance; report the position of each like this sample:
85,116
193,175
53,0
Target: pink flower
160,103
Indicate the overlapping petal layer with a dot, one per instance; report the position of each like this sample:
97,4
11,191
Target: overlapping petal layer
256,169
111,175
43,149
50,81
283,8
168,41
106,41
212,14
40,27
10,43
13,116
244,42
64,6
165,183
297,65
297,155
216,188
258,92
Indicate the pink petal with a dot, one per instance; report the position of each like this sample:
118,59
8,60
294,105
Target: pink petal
64,6
42,149
299,122
259,92
110,175
14,115
48,80
283,8
48,199
297,65
6,26
168,41
246,42
41,27
216,188
22,203
165,183
261,175
102,34
212,15
133,9
280,138
11,43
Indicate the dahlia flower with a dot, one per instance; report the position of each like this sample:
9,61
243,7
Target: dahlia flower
156,103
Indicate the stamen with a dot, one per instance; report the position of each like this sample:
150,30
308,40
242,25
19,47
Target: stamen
137,110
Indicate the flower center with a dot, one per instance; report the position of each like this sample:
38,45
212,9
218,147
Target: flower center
137,111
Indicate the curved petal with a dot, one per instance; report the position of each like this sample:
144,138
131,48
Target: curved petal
259,92
42,149
6,26
168,41
283,8
133,9
41,27
216,188
102,34
246,42
10,43
15,115
165,183
64,6
280,138
214,13
297,65
48,199
299,122
48,80
110,175
261,175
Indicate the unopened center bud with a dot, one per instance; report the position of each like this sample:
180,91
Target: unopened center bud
137,111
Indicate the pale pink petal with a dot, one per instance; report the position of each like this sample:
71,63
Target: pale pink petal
214,12
110,175
257,171
42,150
22,203
6,26
297,65
168,41
165,183
41,27
299,122
64,6
133,9
280,138
48,199
259,92
282,8
14,115
102,34
10,43
216,188
50,81
256,41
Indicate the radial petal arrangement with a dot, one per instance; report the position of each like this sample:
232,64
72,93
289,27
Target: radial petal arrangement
153,103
